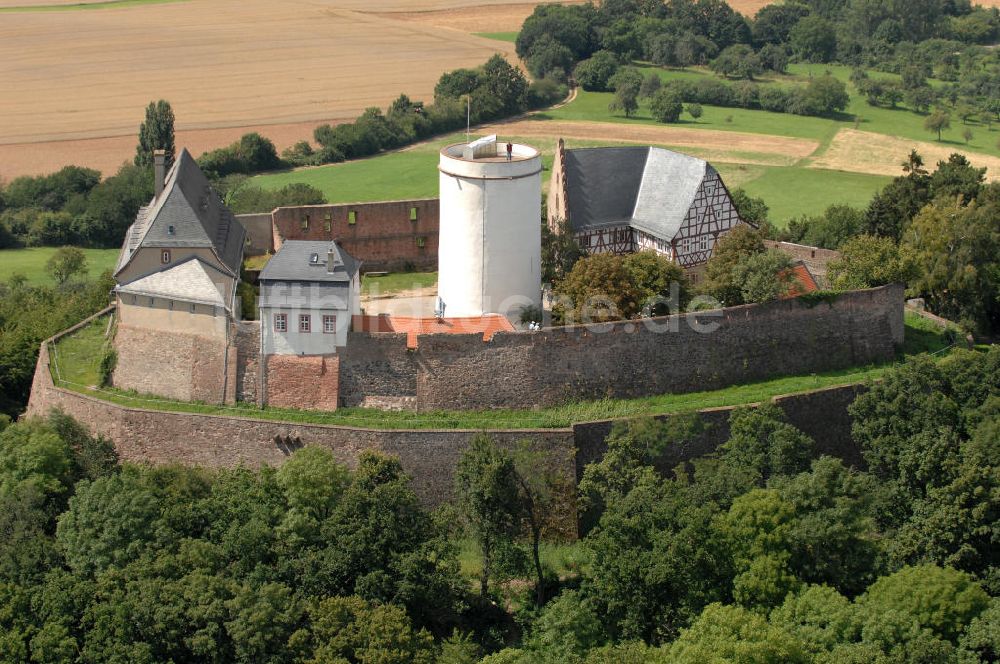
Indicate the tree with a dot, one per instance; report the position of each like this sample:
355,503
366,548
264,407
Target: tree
938,121
313,482
560,251
940,599
825,95
595,72
547,56
156,133
967,135
695,111
34,457
752,210
505,83
662,284
956,249
814,39
737,61
731,249
626,83
764,277
650,86
598,289
830,230
666,105
867,261
66,263
773,23
489,494
733,634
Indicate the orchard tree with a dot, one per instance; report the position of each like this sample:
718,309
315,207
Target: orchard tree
66,263
595,72
938,121
626,83
666,105
156,133
695,111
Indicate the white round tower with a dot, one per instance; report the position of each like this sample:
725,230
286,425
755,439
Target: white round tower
490,243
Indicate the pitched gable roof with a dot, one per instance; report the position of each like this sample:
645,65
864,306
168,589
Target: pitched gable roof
187,213
293,262
188,281
645,187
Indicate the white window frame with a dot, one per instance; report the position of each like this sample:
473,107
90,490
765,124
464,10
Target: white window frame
281,322
305,323
329,324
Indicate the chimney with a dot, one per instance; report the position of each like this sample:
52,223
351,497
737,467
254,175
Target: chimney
159,170
331,260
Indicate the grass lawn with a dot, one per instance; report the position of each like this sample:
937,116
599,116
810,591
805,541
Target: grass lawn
395,282
31,262
793,191
499,36
88,345
77,358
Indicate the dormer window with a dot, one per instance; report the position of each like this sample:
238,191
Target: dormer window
165,255
314,259
171,230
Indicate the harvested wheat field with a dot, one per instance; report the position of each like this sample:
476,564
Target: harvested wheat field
720,145
482,18
246,64
878,154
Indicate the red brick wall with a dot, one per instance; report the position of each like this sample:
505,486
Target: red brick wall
383,234
305,382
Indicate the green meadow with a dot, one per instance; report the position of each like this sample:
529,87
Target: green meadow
31,262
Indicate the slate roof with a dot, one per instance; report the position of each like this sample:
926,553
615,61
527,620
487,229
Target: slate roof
293,263
291,279
648,188
187,281
187,213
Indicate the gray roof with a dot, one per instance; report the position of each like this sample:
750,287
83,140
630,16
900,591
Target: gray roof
188,281
294,262
187,213
648,188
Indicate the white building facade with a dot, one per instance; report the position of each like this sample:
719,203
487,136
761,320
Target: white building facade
489,252
309,291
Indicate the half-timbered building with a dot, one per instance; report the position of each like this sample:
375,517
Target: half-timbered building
626,199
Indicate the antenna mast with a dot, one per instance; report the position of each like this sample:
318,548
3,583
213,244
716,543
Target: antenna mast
468,115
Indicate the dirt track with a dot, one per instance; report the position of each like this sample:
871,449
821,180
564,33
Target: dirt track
878,154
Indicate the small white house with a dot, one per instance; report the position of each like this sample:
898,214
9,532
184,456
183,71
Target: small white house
308,293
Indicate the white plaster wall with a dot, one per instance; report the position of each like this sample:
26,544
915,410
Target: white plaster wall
314,342
489,255
172,316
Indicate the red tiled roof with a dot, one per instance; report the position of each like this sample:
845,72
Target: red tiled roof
487,325
800,280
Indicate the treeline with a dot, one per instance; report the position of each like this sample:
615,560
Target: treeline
31,314
763,551
944,39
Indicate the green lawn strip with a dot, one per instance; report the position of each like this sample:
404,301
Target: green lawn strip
31,261
107,4
499,36
395,282
77,357
793,191
90,346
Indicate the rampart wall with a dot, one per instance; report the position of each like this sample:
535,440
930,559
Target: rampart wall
259,233
428,456
386,236
685,353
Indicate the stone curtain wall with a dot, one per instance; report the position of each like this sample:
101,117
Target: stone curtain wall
307,382
428,456
185,367
383,235
247,347
627,359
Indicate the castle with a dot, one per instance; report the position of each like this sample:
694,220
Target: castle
180,333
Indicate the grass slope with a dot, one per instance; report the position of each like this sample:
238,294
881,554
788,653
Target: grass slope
499,36
88,343
794,191
31,263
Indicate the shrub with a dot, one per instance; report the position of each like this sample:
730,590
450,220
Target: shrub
595,73
666,106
